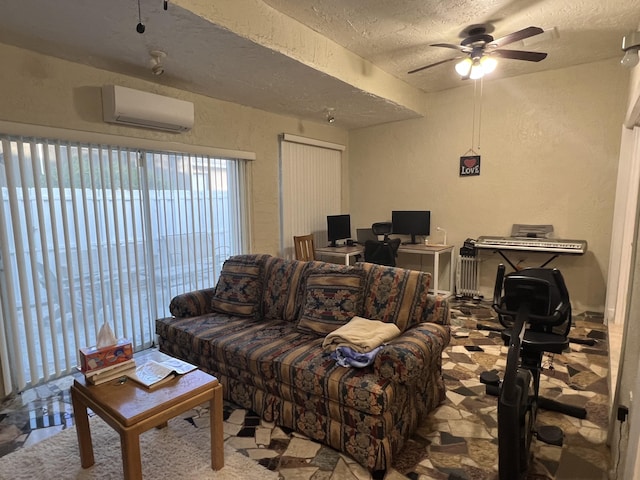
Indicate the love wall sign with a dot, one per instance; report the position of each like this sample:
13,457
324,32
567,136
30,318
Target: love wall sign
470,165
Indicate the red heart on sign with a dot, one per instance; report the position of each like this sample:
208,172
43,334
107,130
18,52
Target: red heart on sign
470,162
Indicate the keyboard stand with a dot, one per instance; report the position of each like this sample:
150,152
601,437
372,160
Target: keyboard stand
501,253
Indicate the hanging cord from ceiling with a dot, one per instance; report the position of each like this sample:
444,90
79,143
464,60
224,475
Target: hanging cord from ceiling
477,115
480,109
140,27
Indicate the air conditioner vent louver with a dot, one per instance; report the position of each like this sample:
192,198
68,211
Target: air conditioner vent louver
127,106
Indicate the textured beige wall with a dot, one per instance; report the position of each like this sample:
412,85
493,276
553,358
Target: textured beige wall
549,144
47,91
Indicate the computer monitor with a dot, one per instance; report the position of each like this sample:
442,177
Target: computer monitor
338,228
411,222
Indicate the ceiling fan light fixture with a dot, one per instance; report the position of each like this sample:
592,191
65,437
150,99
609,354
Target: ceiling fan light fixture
476,71
488,64
464,67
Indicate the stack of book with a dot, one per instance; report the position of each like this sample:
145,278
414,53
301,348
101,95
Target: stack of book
102,364
112,372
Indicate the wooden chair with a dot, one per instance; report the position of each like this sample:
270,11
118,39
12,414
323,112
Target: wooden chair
304,247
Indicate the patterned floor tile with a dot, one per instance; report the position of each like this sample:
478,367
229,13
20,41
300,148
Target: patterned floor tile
458,441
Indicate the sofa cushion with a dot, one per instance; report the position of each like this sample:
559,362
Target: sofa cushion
282,287
239,288
330,300
192,304
396,295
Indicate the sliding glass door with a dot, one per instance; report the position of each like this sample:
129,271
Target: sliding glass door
94,234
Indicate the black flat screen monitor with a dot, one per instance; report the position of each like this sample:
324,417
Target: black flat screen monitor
411,222
338,228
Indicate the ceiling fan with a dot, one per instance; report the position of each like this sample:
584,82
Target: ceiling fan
479,48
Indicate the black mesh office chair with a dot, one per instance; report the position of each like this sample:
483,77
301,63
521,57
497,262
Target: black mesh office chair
382,252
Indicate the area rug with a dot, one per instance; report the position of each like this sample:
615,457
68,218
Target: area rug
180,451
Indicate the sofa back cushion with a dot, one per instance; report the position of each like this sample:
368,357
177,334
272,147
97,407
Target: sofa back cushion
239,288
283,280
396,295
330,300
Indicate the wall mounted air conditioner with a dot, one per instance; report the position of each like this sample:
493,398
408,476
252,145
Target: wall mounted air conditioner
143,109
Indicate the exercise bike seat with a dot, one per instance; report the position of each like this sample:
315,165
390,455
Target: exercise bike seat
539,341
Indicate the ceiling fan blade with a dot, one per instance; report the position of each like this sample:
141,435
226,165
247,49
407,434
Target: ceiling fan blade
516,36
447,45
433,65
520,55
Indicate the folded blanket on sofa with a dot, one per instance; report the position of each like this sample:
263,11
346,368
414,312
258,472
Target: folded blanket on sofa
361,334
348,357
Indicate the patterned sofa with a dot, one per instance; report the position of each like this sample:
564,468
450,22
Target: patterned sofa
260,332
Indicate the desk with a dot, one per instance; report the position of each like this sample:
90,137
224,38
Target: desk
436,251
345,253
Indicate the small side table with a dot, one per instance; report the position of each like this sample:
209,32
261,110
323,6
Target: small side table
131,409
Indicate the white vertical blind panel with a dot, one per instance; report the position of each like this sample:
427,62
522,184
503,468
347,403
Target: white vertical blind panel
311,185
94,234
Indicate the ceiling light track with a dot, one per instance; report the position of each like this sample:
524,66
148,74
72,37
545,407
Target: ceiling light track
157,68
630,47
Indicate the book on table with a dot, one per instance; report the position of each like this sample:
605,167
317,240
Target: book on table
152,374
112,372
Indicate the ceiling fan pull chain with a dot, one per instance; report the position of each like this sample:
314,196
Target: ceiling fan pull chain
473,124
480,110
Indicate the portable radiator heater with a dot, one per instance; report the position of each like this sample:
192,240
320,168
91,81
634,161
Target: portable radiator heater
468,277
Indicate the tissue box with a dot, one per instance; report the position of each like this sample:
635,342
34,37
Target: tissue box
93,358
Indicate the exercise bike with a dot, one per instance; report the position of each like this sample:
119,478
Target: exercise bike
533,307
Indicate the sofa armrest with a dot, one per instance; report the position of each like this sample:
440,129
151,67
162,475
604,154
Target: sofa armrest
439,310
407,357
192,304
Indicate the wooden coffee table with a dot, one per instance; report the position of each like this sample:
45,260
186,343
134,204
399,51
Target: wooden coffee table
132,409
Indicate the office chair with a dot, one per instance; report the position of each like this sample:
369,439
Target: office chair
382,252
304,247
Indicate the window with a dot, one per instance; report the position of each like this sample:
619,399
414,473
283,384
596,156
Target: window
311,189
93,233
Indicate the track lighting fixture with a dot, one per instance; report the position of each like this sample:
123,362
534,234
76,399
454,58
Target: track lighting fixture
330,116
156,62
630,47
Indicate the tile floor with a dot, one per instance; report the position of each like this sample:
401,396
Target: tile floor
456,442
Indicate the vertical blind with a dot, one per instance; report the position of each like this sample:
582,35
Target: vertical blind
94,234
311,186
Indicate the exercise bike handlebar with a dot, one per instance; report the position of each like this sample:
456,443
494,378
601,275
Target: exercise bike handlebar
553,319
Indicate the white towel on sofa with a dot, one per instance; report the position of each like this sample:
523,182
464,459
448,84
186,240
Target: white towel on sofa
361,334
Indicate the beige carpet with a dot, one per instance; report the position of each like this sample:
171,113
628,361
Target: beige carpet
180,451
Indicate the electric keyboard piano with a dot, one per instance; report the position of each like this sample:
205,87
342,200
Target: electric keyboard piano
553,246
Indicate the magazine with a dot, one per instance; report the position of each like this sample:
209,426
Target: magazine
152,374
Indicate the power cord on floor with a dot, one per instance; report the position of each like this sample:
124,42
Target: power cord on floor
614,474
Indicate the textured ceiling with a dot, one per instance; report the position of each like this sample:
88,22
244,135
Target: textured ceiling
303,57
